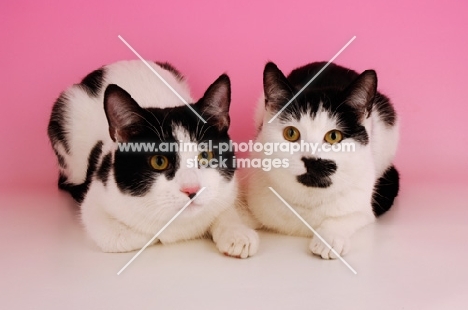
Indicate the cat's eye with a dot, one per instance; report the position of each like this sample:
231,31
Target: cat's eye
159,162
291,133
333,136
207,155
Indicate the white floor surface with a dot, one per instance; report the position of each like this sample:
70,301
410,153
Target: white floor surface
414,257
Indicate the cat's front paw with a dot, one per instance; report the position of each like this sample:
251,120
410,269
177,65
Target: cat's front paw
340,244
240,242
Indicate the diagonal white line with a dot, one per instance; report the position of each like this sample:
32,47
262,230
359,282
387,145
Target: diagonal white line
313,230
161,78
308,83
161,230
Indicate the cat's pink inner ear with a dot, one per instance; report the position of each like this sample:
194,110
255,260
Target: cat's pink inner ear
276,87
118,135
216,102
112,133
362,91
122,112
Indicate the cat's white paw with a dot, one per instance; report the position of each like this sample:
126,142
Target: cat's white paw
340,244
240,242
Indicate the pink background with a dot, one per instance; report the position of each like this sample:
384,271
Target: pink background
419,50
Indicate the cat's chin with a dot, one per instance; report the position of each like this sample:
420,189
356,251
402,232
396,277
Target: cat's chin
195,206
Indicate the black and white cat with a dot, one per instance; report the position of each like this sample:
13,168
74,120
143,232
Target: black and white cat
335,192
126,197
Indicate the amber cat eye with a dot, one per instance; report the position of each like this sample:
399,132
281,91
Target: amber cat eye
159,162
207,155
291,133
333,136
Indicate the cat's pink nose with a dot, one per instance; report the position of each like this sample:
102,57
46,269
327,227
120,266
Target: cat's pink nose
190,191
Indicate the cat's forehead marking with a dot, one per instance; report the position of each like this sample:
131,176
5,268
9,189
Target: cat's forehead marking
314,125
321,119
181,134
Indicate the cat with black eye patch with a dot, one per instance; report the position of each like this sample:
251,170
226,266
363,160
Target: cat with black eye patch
110,134
348,179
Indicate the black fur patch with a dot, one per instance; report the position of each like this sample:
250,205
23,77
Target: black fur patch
167,66
308,102
318,172
56,127
103,171
78,191
61,160
333,76
329,88
385,191
132,170
386,111
92,83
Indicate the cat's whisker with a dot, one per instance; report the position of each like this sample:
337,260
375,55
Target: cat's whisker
151,126
207,127
163,121
196,129
159,123
339,105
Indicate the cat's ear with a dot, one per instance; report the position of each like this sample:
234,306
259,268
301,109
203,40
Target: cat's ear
214,105
276,87
123,113
360,94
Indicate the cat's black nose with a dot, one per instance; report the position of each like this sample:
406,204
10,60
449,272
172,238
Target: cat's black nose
318,172
191,195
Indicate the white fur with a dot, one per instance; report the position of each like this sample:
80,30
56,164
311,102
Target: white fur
87,120
119,222
335,212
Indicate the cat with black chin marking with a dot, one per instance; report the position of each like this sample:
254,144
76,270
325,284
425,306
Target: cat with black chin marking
336,192
126,197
